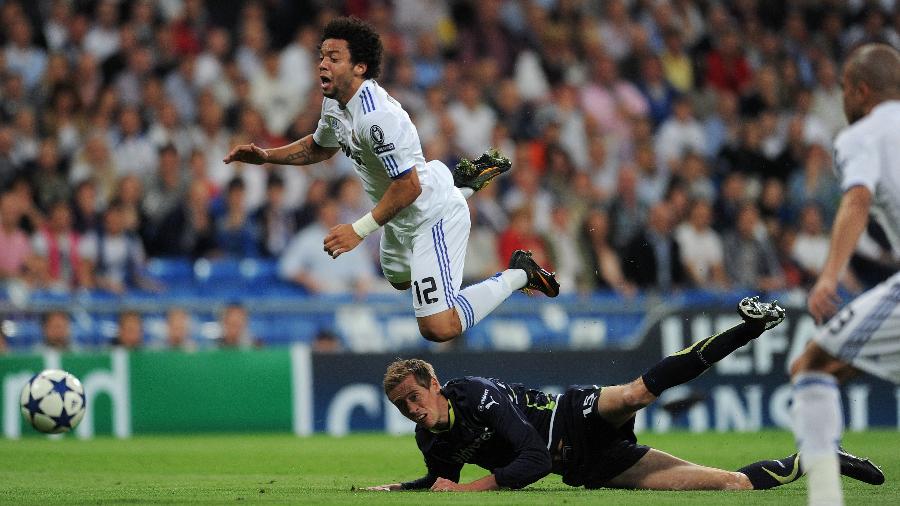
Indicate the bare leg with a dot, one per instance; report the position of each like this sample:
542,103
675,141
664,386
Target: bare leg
618,403
440,327
660,471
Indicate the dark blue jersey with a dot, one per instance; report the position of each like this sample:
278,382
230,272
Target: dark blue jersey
501,427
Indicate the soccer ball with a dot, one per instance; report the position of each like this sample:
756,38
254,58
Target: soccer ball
53,401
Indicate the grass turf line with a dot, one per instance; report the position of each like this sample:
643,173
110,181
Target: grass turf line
282,469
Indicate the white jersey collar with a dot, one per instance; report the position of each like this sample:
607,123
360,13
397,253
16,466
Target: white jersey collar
356,101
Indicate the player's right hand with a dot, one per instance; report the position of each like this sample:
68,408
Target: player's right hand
247,153
823,299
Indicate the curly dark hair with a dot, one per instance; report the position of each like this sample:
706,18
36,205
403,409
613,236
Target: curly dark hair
362,41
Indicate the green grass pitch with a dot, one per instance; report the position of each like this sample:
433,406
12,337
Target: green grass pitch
282,469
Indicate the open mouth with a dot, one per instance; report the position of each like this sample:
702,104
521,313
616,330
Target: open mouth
421,418
326,81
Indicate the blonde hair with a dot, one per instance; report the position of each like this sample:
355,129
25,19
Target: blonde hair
399,369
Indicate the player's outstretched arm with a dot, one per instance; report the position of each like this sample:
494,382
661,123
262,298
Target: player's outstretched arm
301,152
852,218
489,482
385,488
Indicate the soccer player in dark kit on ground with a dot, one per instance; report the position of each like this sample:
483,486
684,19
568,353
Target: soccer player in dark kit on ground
585,434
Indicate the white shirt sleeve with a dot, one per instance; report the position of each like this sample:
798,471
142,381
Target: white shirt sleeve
324,134
857,161
392,138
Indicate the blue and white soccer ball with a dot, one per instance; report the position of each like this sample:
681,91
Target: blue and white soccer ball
53,401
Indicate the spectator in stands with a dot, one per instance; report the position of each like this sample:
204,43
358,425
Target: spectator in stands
46,176
521,234
130,192
816,182
627,212
130,335
474,120
773,208
234,232
94,162
113,257
652,259
733,193
21,56
752,260
326,341
275,221
56,331
652,177
602,257
55,247
17,254
167,129
188,230
659,93
676,62
178,330
722,127
680,134
609,100
811,244
701,248
166,190
602,169
564,251
235,332
306,264
527,191
726,67
133,152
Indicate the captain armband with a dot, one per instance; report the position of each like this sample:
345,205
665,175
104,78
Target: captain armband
365,225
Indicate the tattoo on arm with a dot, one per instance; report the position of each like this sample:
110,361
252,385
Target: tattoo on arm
302,155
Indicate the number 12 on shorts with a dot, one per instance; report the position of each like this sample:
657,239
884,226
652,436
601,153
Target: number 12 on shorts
427,288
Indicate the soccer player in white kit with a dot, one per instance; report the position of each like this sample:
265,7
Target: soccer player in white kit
424,215
865,334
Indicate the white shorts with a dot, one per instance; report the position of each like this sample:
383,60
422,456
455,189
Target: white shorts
866,332
431,259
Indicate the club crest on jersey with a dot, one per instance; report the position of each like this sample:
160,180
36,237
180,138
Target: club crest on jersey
377,135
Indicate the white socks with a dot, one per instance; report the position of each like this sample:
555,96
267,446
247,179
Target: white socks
818,423
475,302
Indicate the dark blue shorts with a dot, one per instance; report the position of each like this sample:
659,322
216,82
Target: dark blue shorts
587,450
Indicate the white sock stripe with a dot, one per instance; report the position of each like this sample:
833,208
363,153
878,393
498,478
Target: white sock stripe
467,307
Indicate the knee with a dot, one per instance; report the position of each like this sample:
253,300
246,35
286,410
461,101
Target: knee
636,396
813,359
439,331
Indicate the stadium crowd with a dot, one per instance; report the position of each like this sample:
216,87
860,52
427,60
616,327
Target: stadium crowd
656,144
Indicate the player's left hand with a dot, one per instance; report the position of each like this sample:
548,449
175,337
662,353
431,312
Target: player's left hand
341,239
445,485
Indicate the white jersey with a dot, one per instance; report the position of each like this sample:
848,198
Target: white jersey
867,153
376,133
